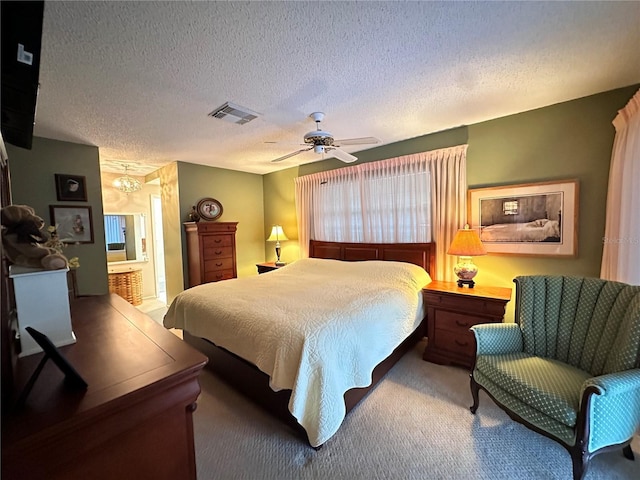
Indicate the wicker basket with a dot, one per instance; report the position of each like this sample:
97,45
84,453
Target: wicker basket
128,285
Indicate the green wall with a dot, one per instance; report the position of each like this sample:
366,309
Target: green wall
241,197
33,184
569,140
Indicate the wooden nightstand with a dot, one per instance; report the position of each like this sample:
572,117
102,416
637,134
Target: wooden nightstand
451,311
267,267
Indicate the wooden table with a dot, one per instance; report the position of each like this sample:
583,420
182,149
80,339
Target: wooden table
451,311
133,421
267,267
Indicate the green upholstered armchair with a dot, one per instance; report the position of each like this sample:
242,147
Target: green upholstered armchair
569,368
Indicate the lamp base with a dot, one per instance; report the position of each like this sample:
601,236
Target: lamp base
465,270
469,283
280,264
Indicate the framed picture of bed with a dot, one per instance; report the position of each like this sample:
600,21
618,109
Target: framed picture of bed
527,219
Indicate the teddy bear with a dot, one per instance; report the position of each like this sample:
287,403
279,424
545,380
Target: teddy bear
22,236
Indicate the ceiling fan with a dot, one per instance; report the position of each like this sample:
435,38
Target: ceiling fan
321,142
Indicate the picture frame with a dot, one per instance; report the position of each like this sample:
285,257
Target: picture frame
209,209
72,378
73,224
528,219
71,188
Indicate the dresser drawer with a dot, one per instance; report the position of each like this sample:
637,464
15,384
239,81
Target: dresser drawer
461,344
215,241
217,275
471,304
216,227
217,252
454,322
218,264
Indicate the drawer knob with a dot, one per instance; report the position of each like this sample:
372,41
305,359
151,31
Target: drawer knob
462,344
218,264
218,252
462,324
219,276
217,240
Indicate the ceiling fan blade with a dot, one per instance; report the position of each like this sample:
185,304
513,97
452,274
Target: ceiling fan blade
341,155
289,155
357,141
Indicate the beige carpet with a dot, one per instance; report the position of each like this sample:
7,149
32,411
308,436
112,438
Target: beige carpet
154,308
415,425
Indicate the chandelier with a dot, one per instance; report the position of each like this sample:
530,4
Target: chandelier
126,183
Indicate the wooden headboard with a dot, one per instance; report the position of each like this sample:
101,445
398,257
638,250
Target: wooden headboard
422,254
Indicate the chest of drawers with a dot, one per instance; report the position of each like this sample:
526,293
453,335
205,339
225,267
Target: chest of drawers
211,251
451,311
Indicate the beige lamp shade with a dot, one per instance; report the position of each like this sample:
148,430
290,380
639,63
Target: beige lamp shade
466,243
277,234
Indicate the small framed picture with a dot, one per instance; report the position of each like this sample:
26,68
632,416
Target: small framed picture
71,188
73,224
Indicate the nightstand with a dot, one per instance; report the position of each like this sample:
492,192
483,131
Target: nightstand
451,311
267,267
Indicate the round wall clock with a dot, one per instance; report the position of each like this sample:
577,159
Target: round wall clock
209,209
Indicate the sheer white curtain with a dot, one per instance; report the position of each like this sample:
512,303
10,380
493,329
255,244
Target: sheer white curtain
621,251
413,198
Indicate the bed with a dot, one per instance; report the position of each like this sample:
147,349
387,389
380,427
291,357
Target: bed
540,230
310,366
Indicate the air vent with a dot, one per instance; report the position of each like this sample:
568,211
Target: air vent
234,114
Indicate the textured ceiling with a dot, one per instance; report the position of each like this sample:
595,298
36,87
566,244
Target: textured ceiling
138,79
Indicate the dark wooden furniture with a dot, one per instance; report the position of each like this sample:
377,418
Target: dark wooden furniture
72,284
249,380
267,267
211,251
451,311
133,421
422,254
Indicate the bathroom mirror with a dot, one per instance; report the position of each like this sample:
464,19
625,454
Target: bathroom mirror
125,237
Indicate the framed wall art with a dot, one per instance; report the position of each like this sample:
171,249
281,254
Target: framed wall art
73,224
71,188
528,219
209,209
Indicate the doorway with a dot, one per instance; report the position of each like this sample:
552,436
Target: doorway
158,248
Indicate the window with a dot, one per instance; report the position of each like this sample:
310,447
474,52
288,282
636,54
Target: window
414,198
382,206
114,229
510,207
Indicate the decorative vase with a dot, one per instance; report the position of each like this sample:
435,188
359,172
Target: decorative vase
193,215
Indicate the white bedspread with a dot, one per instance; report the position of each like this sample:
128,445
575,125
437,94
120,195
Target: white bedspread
317,327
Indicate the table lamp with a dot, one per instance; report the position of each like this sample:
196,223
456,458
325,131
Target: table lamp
466,244
276,235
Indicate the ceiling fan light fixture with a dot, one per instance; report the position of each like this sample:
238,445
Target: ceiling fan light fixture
319,137
322,142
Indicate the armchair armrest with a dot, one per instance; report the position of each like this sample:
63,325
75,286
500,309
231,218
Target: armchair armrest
497,338
614,407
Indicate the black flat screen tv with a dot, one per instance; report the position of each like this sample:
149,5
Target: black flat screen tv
21,44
